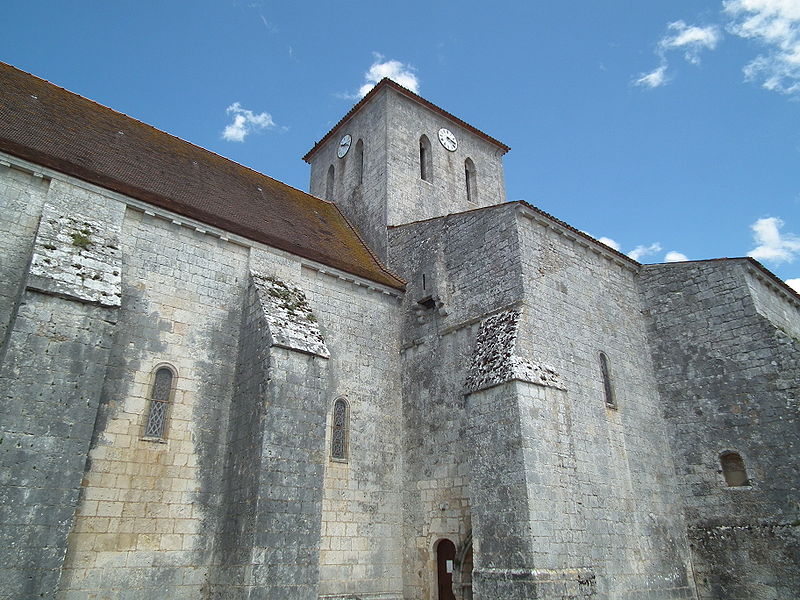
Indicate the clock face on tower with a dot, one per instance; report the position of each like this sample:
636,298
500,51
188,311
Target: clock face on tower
448,140
344,145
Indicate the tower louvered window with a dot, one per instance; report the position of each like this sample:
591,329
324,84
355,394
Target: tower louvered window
339,432
469,181
425,160
358,157
159,402
608,389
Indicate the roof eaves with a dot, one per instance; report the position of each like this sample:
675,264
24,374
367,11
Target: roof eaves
582,234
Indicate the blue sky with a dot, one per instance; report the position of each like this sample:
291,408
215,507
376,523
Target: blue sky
663,126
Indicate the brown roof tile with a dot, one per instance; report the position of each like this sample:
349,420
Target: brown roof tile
55,128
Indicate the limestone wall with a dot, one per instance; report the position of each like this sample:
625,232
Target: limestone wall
151,516
728,375
364,203
607,491
22,194
412,199
148,504
470,266
598,489
59,332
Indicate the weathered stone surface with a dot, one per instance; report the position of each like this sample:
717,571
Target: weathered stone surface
495,360
77,257
291,321
725,342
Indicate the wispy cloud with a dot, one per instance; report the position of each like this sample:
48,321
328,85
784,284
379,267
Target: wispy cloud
655,78
641,251
270,27
775,25
794,284
673,256
395,70
690,39
772,245
244,123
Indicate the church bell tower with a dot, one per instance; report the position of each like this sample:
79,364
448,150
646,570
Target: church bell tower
396,158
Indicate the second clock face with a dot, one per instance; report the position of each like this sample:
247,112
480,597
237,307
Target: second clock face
344,145
448,140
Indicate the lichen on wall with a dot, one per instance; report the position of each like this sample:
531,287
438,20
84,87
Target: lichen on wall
494,360
77,257
292,323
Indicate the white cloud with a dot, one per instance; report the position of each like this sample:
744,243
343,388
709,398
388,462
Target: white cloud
245,122
394,70
691,39
655,78
609,242
794,284
772,245
640,251
775,24
673,256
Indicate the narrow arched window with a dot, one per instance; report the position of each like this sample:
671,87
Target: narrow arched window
358,157
340,423
469,180
608,389
425,164
160,397
329,184
733,469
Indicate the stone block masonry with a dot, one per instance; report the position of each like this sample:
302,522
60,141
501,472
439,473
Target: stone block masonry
187,413
59,338
726,346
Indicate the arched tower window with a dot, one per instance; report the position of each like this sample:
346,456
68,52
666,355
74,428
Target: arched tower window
608,389
358,157
329,185
340,430
425,159
469,180
161,393
733,469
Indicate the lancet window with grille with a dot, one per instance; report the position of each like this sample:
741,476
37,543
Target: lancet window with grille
159,402
339,433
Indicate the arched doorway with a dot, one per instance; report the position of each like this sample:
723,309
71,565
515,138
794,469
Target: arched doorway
445,565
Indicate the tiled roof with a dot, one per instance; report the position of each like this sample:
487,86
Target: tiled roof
55,128
388,83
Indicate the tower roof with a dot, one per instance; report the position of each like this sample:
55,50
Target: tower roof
388,83
58,129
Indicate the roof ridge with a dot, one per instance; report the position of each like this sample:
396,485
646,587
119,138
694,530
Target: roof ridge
386,82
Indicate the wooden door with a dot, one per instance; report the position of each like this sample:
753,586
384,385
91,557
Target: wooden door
445,563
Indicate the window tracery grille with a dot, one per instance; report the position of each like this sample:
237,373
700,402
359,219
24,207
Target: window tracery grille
339,430
159,399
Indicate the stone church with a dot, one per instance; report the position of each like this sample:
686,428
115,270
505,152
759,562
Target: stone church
396,386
